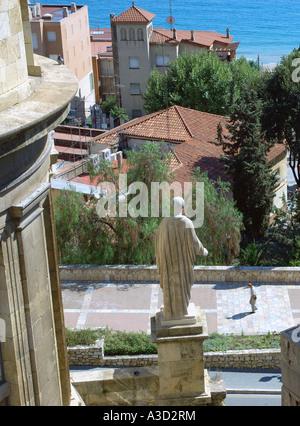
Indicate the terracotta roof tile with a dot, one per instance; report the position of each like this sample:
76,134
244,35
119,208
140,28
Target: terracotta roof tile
203,38
99,47
192,130
134,14
167,125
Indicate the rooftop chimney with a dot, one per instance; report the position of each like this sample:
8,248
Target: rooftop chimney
65,12
174,34
192,35
38,9
227,32
73,7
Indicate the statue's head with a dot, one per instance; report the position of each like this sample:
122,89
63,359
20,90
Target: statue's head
178,203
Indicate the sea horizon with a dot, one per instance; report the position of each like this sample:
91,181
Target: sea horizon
266,29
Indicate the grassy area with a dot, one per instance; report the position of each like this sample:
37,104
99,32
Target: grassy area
218,342
124,343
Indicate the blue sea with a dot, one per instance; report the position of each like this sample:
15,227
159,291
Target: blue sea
268,28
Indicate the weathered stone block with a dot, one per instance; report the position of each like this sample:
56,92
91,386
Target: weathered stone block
290,365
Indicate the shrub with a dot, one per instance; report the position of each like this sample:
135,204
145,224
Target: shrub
84,337
130,343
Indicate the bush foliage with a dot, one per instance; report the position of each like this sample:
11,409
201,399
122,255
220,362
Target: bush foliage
130,343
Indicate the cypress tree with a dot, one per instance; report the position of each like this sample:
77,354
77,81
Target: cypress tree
245,159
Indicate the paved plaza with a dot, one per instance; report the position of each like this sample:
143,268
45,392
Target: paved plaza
129,306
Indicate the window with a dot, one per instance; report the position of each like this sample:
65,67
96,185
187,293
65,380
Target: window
140,34
135,89
136,113
123,34
162,60
134,62
2,379
34,41
51,36
91,82
131,34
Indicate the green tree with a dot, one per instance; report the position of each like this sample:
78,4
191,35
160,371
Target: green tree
280,91
200,81
222,226
132,237
283,239
110,107
80,237
109,104
85,237
245,159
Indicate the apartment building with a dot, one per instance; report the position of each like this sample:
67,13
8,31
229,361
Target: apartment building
103,66
63,31
138,47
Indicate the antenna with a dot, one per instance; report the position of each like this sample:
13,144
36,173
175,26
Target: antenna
170,19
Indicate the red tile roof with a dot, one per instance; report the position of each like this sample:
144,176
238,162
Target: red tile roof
202,38
192,131
101,41
174,124
102,48
134,14
85,178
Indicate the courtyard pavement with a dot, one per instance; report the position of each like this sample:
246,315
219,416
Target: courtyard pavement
129,306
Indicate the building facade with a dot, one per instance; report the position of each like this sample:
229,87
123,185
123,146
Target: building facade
64,31
138,47
103,65
35,95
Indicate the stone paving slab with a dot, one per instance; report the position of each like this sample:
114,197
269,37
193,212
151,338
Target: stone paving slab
129,306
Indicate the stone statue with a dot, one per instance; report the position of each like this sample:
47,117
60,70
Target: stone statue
176,247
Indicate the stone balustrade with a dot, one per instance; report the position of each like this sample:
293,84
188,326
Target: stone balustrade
205,274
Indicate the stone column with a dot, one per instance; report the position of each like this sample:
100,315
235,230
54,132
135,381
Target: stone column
56,292
15,351
182,377
28,215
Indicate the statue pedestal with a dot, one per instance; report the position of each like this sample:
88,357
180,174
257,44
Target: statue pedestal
188,319
182,377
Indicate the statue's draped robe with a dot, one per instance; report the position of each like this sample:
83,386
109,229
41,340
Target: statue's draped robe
176,247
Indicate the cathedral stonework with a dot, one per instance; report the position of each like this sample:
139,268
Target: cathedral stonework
35,94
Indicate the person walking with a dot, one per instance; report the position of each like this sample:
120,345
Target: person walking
253,298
